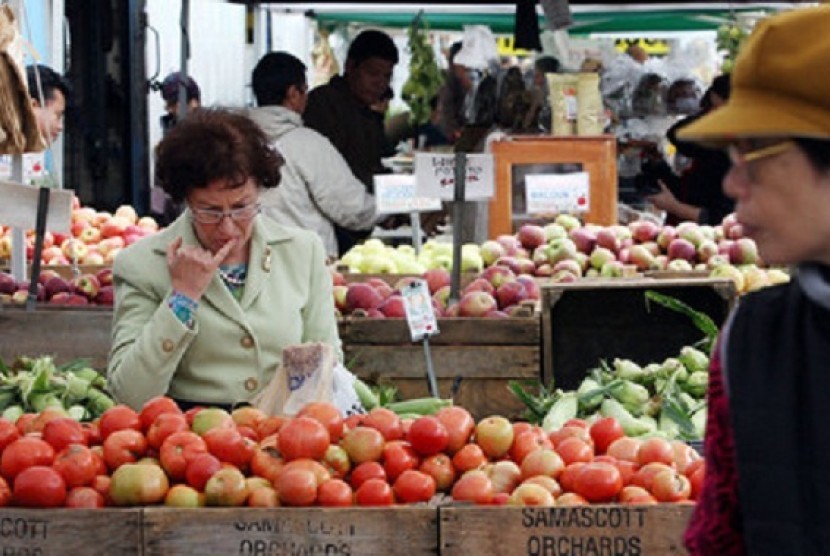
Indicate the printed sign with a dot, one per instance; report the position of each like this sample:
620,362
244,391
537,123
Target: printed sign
435,176
419,314
557,193
395,193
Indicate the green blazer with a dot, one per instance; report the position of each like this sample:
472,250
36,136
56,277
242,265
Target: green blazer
234,347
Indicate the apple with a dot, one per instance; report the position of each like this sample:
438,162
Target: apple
8,284
682,248
531,236
148,223
731,272
90,235
476,304
494,435
108,244
608,239
679,265
134,484
86,284
5,247
691,232
567,221
743,251
554,231
436,278
612,269
127,212
570,265
227,487
643,230
584,239
508,242
706,249
479,285
106,296
393,307
104,276
74,248
490,251
641,257
497,275
530,285
509,293
113,226
601,255
361,295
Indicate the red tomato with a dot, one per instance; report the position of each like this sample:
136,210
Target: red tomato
399,456
569,431
574,449
575,422
527,442
571,499
230,446
440,468
459,424
428,435
696,481
684,455
62,432
178,450
77,464
154,407
632,492
101,483
671,486
365,471
353,421
469,457
263,497
362,444
40,419
655,450
328,415
124,446
624,448
598,481
8,433
93,433
165,425
5,493
384,421
297,487
200,469
335,493
270,425
100,464
568,476
116,418
25,452
84,497
39,487
265,463
604,432
414,486
24,422
542,462
374,492
474,486
318,469
644,476
303,437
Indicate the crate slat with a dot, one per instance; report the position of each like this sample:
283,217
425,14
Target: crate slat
467,331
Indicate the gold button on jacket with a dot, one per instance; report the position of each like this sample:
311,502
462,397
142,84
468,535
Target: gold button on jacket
168,345
251,384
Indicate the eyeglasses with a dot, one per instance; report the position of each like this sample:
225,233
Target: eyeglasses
241,214
741,157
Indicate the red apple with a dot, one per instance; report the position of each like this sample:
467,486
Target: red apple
476,304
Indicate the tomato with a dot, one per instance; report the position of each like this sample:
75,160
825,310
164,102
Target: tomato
548,483
297,487
266,463
384,421
116,418
684,455
469,457
62,432
571,499
655,450
77,464
575,422
353,421
362,444
529,494
248,433
93,433
527,442
154,407
200,469
101,483
440,468
625,448
374,492
335,493
178,450
124,446
40,419
671,486
556,437
693,466
5,493
263,497
270,425
644,476
605,431
568,476
184,496
100,464
303,437
190,414
598,481
328,415
25,452
428,435
414,486
24,422
39,487
474,486
8,433
165,425
696,481
459,424
632,492
399,456
337,461
230,446
248,416
136,484
521,426
321,474
542,461
574,449
84,497
365,471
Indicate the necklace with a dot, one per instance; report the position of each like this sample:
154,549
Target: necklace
235,275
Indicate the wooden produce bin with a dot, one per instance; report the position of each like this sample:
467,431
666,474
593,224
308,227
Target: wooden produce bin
64,332
589,320
655,530
249,531
519,156
103,531
484,353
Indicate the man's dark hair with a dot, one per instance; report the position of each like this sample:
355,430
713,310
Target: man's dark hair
50,81
546,64
274,74
173,82
455,48
372,44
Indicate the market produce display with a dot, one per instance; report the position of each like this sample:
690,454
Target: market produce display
210,457
52,288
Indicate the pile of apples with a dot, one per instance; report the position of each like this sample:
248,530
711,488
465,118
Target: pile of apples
95,238
209,457
495,292
83,289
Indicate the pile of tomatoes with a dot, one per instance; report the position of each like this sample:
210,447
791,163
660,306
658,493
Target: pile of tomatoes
207,456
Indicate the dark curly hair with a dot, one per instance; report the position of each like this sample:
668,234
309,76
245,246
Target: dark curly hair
213,144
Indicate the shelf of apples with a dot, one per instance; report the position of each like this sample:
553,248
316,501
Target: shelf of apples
209,457
52,288
565,250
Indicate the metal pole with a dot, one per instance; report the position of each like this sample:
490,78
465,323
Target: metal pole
185,56
40,230
457,223
415,218
433,384
18,256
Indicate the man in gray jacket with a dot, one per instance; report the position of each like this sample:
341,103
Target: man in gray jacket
317,189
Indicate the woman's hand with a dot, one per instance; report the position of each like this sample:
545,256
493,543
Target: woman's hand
192,267
665,200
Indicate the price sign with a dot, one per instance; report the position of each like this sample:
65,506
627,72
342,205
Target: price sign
19,207
556,193
435,176
419,314
395,194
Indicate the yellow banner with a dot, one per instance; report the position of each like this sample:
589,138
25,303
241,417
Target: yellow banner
654,47
504,46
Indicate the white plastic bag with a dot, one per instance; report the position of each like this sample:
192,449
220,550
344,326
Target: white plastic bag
343,395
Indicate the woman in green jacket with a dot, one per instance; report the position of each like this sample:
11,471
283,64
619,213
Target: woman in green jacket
204,308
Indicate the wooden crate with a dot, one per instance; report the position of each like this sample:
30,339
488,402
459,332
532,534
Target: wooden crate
103,531
586,321
343,531
655,530
484,353
66,333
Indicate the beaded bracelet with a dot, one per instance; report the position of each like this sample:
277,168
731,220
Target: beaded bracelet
183,307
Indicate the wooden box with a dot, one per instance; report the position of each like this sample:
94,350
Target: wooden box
484,354
365,531
589,320
103,531
597,529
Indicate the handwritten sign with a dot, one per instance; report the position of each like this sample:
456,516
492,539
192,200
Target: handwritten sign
395,193
419,313
556,193
435,176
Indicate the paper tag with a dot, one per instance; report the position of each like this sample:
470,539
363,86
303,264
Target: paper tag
419,313
395,194
556,193
19,207
435,176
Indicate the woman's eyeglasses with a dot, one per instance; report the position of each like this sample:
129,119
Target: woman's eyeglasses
209,216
